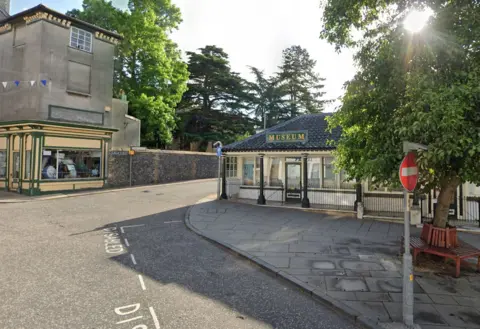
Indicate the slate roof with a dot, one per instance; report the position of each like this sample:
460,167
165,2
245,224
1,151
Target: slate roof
315,124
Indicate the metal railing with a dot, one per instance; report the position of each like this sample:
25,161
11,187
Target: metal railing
465,211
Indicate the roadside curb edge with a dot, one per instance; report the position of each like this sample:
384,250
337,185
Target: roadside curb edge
316,294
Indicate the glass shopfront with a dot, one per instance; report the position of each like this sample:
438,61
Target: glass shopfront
71,164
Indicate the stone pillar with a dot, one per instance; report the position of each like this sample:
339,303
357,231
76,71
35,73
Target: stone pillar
261,197
305,200
224,178
415,215
359,202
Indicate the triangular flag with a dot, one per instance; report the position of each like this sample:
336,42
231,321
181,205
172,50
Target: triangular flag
32,82
17,82
5,84
44,82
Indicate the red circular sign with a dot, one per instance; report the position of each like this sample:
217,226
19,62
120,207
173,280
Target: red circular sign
409,172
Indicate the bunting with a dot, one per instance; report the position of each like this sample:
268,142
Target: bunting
22,83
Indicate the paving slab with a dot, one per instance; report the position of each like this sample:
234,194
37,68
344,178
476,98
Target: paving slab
422,313
350,262
345,284
460,316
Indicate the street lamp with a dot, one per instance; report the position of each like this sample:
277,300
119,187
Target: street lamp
407,257
219,145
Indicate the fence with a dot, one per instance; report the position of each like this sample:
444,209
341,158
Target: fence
463,211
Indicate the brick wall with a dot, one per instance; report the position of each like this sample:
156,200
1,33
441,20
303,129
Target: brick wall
157,167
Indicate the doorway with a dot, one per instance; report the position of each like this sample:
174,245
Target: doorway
293,182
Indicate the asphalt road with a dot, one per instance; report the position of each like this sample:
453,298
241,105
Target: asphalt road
125,260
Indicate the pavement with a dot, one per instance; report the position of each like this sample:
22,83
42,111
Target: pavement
353,265
125,259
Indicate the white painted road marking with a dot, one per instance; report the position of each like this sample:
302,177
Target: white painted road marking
141,282
409,171
112,241
173,221
154,317
122,227
126,243
128,320
133,259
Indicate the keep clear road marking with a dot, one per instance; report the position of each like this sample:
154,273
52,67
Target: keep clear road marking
154,317
122,227
126,243
133,259
141,282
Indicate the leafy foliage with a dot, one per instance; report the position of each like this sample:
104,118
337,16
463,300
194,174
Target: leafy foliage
424,88
148,65
303,86
214,106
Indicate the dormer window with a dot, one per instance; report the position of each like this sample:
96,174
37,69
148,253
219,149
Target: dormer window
81,39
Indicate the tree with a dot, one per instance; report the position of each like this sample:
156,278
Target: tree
148,66
423,88
303,85
214,106
267,98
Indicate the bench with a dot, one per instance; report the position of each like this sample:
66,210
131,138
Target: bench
463,251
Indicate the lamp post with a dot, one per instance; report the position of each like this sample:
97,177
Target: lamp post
407,257
219,145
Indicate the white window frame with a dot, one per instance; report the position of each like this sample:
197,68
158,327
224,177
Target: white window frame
231,167
78,45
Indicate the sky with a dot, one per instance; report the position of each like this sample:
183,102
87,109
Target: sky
252,32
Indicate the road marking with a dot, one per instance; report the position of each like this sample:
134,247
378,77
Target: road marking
141,282
122,227
154,317
133,259
126,243
128,320
173,221
112,241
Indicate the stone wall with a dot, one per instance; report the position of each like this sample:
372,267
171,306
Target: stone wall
158,166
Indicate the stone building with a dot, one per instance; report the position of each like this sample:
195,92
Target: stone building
57,116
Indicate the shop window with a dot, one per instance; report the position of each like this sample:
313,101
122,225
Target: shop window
231,167
273,171
71,164
328,173
248,171
28,162
16,165
3,163
314,166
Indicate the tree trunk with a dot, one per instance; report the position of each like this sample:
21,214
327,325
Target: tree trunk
447,192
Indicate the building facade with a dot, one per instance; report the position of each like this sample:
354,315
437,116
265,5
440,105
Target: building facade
292,163
56,122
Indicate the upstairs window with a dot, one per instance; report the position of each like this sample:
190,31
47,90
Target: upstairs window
81,39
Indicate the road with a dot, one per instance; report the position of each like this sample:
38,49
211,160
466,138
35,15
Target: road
125,260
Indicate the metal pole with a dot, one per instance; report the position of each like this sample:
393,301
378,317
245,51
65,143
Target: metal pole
407,267
219,177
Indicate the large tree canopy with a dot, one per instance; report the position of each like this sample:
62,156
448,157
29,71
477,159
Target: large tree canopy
148,67
423,88
214,107
303,85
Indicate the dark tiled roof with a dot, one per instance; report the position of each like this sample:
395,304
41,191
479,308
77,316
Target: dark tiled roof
317,140
44,8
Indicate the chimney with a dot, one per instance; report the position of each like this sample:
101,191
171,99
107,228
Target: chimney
4,9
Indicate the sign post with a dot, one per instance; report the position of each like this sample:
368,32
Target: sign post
408,177
218,145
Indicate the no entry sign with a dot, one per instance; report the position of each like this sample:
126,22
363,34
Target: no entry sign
409,172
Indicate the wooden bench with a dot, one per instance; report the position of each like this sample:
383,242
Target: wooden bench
463,251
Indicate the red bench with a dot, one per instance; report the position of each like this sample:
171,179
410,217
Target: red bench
463,251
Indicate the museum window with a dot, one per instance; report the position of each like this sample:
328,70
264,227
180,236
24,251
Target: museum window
345,181
314,175
71,164
248,171
231,167
328,173
81,39
273,171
